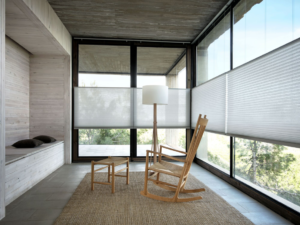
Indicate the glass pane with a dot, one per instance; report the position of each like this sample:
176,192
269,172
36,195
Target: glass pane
103,80
104,66
104,142
150,80
173,137
215,150
279,23
260,27
161,66
270,168
296,19
213,52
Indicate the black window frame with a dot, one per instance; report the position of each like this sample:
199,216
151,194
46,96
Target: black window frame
266,200
133,83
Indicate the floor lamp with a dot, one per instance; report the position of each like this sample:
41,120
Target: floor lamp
155,95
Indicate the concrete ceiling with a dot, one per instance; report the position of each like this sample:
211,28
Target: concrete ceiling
172,20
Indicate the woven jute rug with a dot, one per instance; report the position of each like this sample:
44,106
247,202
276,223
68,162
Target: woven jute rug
127,206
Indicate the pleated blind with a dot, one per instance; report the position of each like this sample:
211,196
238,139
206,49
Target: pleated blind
123,108
174,115
102,107
210,99
264,96
259,100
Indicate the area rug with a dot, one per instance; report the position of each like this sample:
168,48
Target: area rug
127,206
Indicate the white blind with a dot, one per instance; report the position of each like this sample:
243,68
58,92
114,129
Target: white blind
123,108
174,115
264,96
102,107
210,99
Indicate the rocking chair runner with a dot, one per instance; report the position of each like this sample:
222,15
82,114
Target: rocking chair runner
172,169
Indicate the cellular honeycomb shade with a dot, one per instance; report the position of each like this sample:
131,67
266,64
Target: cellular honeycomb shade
210,99
264,96
102,108
123,108
174,115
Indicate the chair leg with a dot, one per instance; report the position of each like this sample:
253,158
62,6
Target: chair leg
92,176
127,171
146,175
113,178
178,189
108,174
157,177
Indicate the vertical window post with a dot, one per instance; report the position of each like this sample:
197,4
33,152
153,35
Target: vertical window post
192,84
133,83
232,157
75,138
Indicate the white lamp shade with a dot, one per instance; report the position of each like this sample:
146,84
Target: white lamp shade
155,94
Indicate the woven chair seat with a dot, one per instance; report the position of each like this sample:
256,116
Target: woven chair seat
167,167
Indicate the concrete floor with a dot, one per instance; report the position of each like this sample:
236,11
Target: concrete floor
42,204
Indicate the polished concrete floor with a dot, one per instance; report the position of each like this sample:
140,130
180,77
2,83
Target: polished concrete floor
42,204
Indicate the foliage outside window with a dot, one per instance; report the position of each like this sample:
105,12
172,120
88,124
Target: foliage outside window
272,167
173,137
215,150
104,137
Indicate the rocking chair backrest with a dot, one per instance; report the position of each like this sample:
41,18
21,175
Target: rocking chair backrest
198,133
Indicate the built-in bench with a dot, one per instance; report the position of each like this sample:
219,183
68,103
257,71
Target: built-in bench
27,166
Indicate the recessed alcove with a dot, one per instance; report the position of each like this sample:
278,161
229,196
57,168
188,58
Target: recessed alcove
37,90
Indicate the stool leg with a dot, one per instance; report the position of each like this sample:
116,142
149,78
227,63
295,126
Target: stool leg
127,171
92,175
113,179
109,174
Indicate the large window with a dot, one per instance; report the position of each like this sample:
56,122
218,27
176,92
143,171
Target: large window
103,66
108,107
254,99
258,28
271,168
161,66
213,52
215,150
262,26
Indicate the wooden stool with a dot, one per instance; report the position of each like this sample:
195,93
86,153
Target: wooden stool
113,162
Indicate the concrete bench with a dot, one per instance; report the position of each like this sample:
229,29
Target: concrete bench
25,167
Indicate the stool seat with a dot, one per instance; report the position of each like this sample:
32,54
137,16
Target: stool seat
110,162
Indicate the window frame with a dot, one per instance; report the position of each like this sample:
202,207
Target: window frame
133,83
266,200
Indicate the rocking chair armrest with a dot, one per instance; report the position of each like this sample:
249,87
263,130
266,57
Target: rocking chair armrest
165,155
172,149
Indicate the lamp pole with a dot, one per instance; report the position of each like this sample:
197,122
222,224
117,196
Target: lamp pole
155,141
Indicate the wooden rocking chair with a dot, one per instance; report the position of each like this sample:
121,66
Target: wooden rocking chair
172,169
